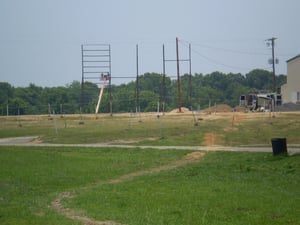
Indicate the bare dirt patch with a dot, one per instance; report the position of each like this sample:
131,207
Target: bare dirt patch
213,140
131,141
210,139
195,155
75,215
17,140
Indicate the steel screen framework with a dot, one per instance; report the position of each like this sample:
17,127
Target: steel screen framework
96,64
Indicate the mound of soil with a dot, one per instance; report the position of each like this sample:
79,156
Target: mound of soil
183,110
240,108
219,108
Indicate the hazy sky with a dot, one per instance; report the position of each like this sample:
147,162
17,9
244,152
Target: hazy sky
40,40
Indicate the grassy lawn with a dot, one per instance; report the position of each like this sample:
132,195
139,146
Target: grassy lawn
31,177
220,188
231,129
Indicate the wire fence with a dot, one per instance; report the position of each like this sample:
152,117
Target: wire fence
13,110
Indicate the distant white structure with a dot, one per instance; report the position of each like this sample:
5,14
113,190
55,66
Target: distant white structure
291,90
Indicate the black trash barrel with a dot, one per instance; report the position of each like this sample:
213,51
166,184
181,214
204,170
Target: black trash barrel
279,146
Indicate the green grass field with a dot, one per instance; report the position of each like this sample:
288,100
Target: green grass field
231,129
220,188
31,177
110,184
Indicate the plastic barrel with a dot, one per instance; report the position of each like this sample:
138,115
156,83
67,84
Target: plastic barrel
279,146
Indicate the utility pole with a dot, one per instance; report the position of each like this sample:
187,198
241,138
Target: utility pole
82,82
137,94
178,77
190,77
163,89
178,60
109,76
271,42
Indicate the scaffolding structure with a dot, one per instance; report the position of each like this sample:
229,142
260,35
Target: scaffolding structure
96,65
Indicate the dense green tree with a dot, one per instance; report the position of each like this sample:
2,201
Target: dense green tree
150,81
216,80
90,94
259,79
148,101
280,80
6,92
18,106
123,99
198,90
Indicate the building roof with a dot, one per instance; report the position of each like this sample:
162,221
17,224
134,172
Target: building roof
297,56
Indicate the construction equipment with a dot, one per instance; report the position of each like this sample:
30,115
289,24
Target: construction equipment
104,78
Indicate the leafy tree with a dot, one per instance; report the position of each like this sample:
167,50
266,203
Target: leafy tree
207,89
148,101
216,80
124,101
6,92
17,106
280,80
259,79
90,94
150,81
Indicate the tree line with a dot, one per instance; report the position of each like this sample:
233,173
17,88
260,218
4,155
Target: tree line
197,91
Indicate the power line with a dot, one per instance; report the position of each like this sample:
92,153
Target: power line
218,62
232,51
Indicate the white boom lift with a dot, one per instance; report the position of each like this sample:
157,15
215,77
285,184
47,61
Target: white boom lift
104,78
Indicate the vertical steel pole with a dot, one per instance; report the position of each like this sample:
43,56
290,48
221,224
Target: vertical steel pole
190,76
109,77
137,101
82,80
163,99
178,77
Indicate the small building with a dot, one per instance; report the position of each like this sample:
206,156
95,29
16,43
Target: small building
291,90
260,100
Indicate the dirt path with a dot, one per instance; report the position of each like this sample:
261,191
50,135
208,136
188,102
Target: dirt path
210,145
74,215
